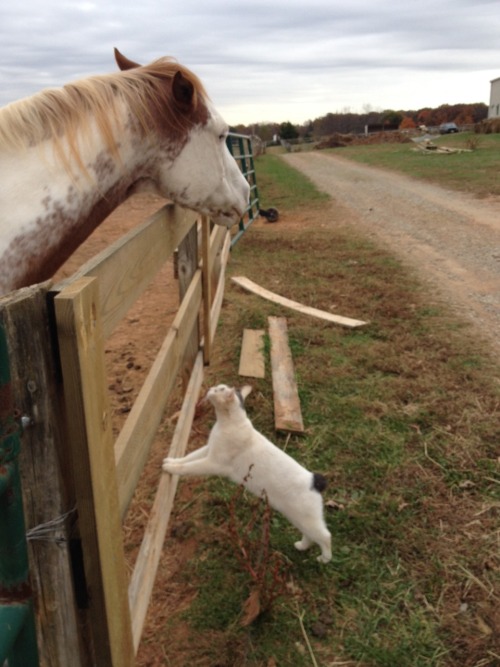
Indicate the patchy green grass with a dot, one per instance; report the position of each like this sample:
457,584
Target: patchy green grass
284,187
475,172
403,418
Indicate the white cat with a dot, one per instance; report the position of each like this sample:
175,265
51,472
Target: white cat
237,451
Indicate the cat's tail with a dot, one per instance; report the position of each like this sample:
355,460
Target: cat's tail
319,482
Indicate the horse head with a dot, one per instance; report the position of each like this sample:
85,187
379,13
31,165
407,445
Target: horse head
192,164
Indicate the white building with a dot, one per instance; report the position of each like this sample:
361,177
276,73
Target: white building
494,108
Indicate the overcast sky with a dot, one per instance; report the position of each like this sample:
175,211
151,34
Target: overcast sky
266,60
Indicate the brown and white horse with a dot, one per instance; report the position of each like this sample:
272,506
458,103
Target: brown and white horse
69,156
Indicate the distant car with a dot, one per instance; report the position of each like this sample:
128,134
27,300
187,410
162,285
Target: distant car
448,128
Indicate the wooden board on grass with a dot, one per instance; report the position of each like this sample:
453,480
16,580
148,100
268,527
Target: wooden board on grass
287,412
250,286
252,354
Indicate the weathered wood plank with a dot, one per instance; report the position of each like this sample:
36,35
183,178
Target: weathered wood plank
46,493
250,286
127,267
206,266
219,291
218,239
252,354
90,441
141,584
287,412
188,263
134,441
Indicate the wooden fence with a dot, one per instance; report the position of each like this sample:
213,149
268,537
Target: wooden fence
78,481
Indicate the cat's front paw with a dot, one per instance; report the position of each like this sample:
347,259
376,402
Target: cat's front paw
169,465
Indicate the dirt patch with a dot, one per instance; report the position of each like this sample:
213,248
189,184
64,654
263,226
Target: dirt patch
338,140
450,238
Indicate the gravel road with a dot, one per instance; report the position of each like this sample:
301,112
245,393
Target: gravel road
452,238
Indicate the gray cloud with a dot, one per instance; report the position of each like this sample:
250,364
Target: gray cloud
261,61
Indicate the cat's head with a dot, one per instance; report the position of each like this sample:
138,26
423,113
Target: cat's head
223,396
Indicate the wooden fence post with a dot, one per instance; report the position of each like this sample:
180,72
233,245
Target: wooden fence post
92,453
47,503
187,264
207,287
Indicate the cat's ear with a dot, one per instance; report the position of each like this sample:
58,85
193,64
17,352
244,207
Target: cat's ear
244,391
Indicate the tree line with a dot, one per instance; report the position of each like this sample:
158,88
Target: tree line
346,122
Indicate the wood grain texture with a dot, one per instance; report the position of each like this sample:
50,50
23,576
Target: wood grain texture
220,285
46,478
188,263
252,354
207,287
127,266
141,584
287,412
90,441
250,286
134,441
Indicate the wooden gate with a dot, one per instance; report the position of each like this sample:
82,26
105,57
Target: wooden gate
240,147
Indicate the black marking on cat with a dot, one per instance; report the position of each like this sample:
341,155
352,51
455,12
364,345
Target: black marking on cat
240,398
319,482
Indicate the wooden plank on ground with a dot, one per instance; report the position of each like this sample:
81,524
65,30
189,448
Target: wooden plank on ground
250,286
287,412
252,354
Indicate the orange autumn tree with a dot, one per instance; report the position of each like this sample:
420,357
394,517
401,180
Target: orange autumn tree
407,123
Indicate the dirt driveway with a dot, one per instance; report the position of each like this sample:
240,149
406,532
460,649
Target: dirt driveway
453,239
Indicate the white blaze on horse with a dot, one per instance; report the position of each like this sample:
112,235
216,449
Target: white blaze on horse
69,156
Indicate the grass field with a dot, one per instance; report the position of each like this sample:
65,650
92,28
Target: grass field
476,172
402,416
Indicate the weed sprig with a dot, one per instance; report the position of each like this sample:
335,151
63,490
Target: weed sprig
250,539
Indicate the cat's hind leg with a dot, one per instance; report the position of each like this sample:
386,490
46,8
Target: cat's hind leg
325,543
320,535
303,544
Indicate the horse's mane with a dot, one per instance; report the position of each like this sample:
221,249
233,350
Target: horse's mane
59,112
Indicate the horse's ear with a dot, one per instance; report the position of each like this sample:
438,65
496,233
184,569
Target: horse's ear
123,62
182,90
